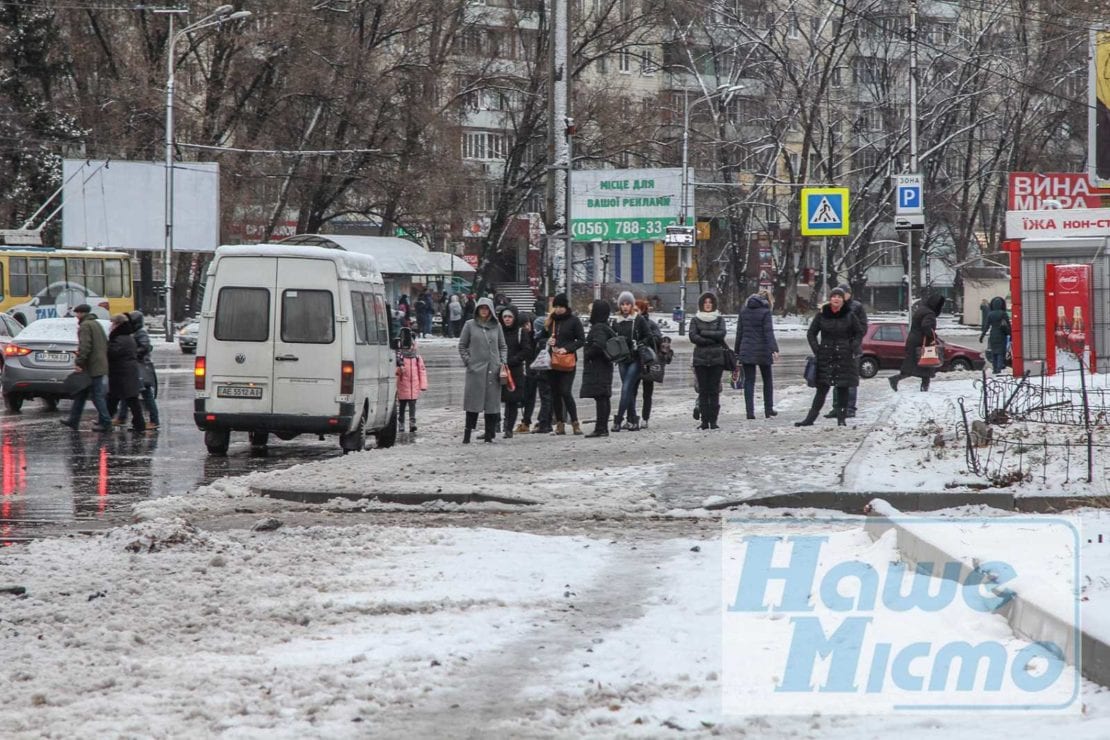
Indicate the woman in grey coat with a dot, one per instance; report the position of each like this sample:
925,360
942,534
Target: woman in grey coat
483,351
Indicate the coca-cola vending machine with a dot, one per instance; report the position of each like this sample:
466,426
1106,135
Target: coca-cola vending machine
1068,318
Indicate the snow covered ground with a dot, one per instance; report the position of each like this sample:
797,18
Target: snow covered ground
594,613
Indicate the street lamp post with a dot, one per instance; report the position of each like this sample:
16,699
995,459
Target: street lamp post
685,214
218,16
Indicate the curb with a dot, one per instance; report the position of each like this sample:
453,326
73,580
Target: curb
411,499
1025,617
856,502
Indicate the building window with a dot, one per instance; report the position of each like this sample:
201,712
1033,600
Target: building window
865,160
489,193
793,30
603,64
867,70
871,119
483,145
625,61
647,64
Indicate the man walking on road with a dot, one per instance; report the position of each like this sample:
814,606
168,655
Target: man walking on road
92,359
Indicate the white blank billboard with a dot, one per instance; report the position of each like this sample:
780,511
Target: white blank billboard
121,205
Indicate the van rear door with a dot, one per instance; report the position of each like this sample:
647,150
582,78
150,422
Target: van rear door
239,345
307,347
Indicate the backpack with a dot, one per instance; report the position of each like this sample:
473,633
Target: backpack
617,349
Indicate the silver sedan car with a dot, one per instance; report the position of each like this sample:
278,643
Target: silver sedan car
38,361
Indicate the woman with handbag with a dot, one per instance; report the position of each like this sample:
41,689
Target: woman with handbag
482,348
711,358
518,351
756,347
652,372
597,370
923,333
565,337
834,336
633,328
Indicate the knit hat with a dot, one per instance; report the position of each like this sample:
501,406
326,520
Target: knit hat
561,300
626,297
847,289
836,291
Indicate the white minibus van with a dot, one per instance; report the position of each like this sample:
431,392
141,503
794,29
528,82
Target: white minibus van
294,340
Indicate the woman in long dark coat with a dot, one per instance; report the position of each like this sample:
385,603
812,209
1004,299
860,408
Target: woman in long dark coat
756,347
518,350
707,332
597,373
923,331
124,383
834,336
997,326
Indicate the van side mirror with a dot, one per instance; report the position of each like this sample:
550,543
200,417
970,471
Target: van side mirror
395,343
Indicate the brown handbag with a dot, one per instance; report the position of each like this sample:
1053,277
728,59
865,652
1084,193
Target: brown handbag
564,362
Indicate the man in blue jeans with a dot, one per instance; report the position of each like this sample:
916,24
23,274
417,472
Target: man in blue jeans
92,358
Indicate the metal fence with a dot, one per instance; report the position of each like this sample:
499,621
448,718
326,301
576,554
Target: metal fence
1064,428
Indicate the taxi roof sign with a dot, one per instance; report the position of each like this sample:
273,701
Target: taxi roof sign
825,212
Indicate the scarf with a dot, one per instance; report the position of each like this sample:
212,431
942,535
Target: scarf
709,317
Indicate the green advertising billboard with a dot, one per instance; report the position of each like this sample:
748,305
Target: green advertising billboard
626,205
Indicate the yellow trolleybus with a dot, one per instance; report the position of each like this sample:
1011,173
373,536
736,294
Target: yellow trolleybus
44,282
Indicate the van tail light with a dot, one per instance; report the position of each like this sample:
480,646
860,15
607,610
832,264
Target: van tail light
199,373
347,378
14,350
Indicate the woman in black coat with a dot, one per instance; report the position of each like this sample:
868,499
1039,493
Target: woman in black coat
564,336
756,347
840,335
707,332
923,331
124,383
997,325
518,346
597,371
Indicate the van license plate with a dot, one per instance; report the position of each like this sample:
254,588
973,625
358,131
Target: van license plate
238,391
52,356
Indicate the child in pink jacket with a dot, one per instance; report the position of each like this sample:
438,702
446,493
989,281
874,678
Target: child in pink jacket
412,378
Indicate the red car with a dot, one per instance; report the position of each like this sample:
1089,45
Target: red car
884,347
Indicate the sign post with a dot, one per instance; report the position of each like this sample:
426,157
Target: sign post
825,213
682,237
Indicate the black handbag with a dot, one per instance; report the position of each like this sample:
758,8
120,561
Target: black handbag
810,373
75,382
654,370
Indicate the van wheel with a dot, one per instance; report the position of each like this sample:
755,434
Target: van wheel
217,441
258,439
356,440
13,402
387,435
51,404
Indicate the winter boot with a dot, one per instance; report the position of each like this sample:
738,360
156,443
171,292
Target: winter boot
644,424
924,384
576,427
811,417
560,428
716,413
616,423
893,380
466,435
841,415
522,428
510,419
471,424
492,420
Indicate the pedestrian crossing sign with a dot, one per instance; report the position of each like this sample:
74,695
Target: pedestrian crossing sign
824,211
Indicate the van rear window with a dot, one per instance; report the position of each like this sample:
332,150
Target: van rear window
307,317
243,315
